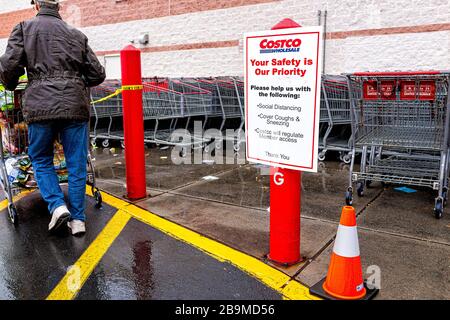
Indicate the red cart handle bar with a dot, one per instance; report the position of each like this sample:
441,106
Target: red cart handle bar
407,73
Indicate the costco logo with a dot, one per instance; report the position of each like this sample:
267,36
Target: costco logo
280,46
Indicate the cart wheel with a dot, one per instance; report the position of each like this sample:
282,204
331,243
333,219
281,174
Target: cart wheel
439,209
360,189
347,159
445,196
206,148
237,147
13,216
93,143
105,143
98,198
321,156
122,144
349,197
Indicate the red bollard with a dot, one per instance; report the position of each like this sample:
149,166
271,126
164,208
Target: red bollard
133,123
285,202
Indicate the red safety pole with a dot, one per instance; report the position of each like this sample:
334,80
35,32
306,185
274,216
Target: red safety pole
285,203
133,123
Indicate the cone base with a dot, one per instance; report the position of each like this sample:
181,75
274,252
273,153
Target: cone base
318,290
125,196
358,297
284,264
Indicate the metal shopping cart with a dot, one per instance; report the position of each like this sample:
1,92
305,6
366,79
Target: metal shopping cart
175,103
335,121
215,110
239,138
400,121
107,113
15,167
227,104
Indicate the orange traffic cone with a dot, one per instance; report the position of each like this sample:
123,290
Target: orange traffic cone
345,279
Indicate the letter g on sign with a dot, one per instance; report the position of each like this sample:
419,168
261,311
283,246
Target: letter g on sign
278,178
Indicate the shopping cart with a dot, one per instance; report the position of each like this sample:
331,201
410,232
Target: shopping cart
400,122
335,121
227,104
15,166
106,114
235,109
196,100
171,105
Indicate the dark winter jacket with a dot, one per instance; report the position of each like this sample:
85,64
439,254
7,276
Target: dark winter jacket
60,66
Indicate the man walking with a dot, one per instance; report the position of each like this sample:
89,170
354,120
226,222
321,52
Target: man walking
60,66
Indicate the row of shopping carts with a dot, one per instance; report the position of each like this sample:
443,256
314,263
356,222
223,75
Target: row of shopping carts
400,125
395,123
173,104
170,107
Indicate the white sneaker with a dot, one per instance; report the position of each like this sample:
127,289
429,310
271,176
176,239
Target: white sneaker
77,227
59,218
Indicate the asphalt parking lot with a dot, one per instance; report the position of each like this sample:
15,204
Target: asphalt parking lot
162,251
120,257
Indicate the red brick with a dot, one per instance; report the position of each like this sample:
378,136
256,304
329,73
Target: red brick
94,13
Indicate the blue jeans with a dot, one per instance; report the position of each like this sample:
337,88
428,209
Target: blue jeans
74,138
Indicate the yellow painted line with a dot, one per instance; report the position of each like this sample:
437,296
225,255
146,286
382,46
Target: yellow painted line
82,269
4,203
109,199
73,281
296,291
268,275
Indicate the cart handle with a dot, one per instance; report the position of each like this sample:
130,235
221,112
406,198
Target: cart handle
201,91
206,81
335,84
398,73
157,88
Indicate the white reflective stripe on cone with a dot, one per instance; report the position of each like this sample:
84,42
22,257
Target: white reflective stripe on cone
346,243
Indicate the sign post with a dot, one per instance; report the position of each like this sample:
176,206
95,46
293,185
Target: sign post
282,84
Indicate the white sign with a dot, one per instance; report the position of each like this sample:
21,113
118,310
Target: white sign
282,91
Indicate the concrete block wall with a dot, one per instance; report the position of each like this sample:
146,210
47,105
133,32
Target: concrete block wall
202,37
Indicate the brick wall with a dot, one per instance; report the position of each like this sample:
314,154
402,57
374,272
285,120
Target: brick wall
10,19
94,13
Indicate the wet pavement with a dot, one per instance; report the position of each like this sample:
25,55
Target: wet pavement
399,236
144,263
398,232
141,263
32,262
